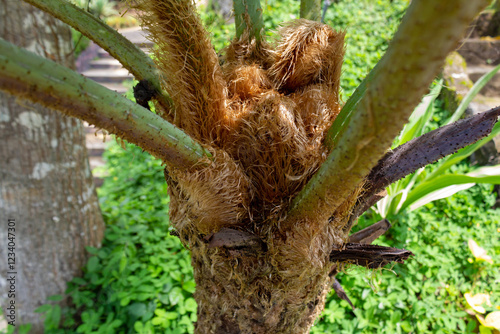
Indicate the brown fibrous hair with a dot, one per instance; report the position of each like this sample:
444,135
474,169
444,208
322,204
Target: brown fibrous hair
263,114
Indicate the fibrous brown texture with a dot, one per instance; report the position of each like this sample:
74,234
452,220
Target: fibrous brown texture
188,65
304,56
202,197
277,120
267,107
263,114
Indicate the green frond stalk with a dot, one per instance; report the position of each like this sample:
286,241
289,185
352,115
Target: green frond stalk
391,91
340,124
248,12
310,9
35,78
128,54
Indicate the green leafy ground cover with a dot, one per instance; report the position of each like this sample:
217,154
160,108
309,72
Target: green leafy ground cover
425,295
141,280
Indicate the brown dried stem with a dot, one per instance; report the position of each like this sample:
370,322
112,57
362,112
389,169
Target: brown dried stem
421,151
370,256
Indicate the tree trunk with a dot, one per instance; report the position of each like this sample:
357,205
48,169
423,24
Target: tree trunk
249,283
47,197
246,295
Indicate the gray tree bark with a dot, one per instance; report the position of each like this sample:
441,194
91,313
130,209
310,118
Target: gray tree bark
46,187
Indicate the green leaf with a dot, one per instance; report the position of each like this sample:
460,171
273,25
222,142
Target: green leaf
189,286
93,264
471,325
406,326
471,94
56,298
79,281
138,326
137,309
425,191
125,301
164,298
123,263
157,321
10,329
342,120
190,305
176,275
92,250
55,317
24,329
486,171
170,315
44,308
439,194
176,296
185,321
115,323
484,330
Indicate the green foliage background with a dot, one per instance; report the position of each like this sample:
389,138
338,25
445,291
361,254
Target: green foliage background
141,280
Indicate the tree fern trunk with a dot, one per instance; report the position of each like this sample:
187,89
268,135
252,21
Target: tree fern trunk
241,290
